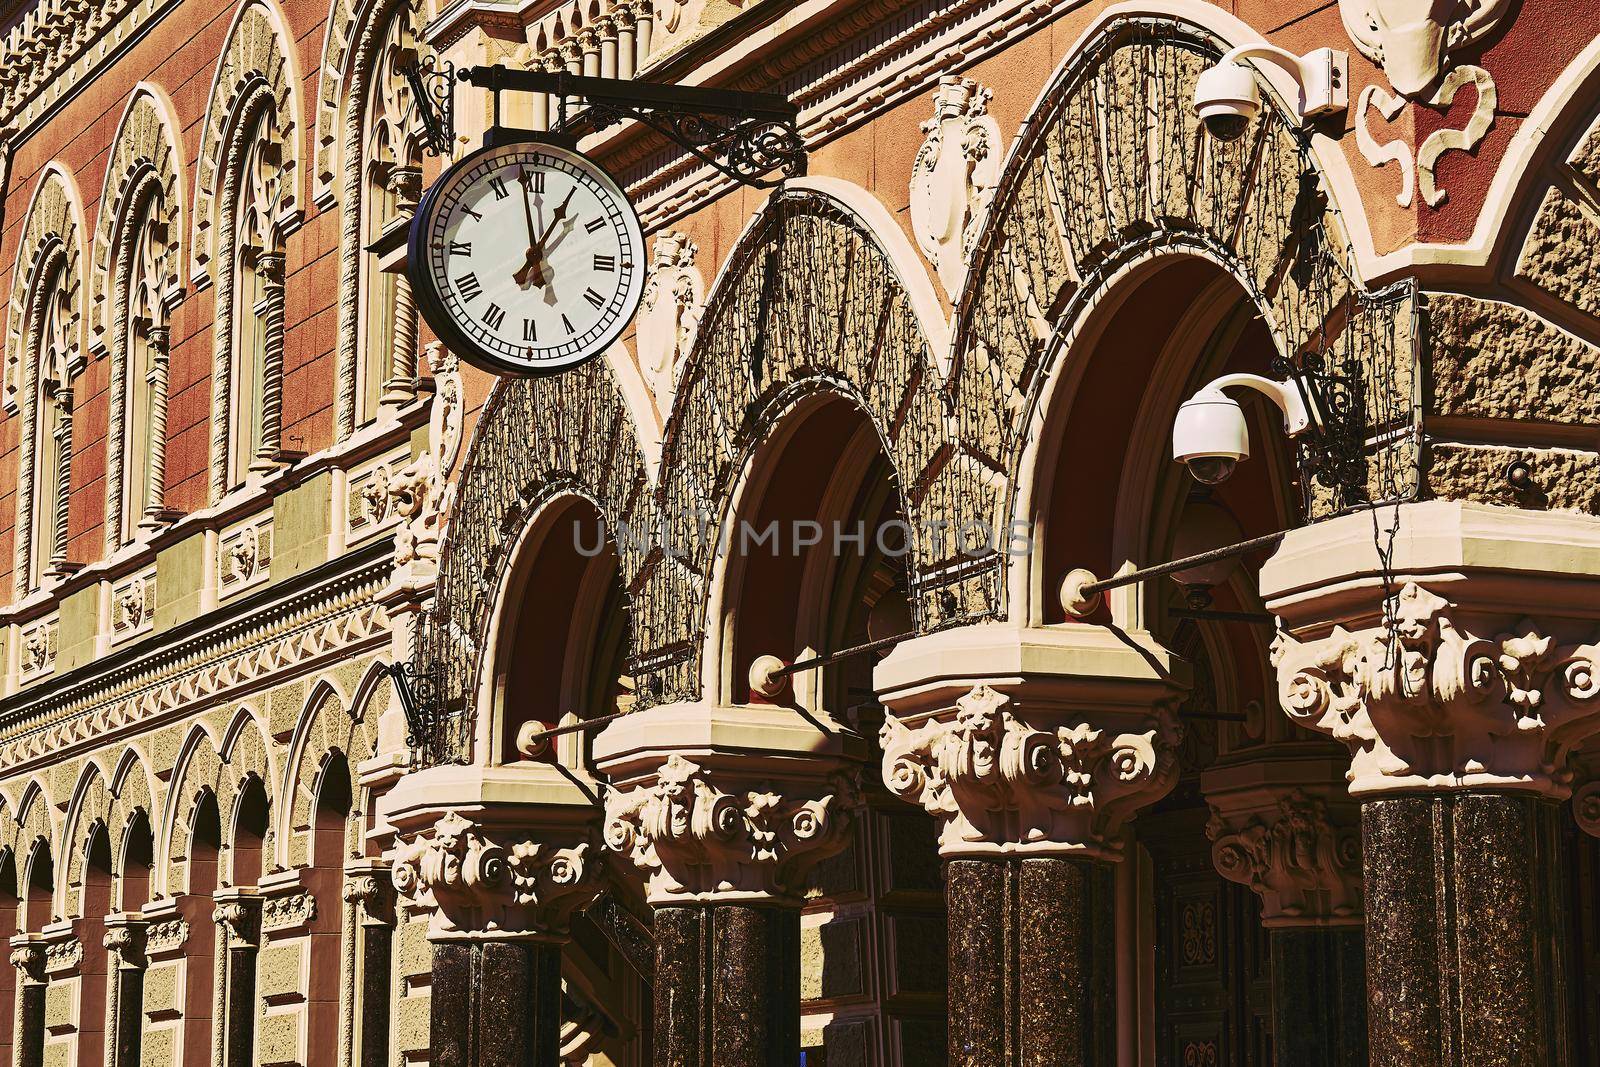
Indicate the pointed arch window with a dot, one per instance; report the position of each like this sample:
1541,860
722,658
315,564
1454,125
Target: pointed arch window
52,353
385,168
255,282
143,338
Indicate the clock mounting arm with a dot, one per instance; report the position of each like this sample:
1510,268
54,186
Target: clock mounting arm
744,135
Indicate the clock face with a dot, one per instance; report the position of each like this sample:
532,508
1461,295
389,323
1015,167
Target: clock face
527,259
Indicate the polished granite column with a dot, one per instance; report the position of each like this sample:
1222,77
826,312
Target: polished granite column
722,837
1466,950
1032,748
1283,824
1460,672
501,886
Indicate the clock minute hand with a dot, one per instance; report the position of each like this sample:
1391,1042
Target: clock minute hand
559,214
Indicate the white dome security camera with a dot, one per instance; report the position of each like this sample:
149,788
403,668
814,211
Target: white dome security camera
1209,434
1226,96
1226,99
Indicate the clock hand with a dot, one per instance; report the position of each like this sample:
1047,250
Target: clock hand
527,209
560,213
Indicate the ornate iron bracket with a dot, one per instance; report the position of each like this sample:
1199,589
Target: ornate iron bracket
743,135
433,89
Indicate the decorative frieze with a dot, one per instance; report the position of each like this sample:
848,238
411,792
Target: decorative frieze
1304,865
288,912
479,889
1000,783
63,955
1441,698
244,556
694,834
166,937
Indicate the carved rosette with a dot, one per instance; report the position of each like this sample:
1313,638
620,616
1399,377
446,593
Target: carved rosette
696,834
999,784
1305,866
1430,699
479,889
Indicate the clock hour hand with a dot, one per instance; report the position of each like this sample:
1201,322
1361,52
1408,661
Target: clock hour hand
560,213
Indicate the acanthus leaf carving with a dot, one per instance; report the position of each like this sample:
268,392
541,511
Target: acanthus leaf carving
999,784
954,176
1422,701
696,837
1305,867
478,888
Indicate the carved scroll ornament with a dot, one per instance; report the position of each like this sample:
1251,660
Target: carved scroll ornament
954,177
1424,701
480,889
697,837
1000,784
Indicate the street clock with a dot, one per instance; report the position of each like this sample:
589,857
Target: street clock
526,258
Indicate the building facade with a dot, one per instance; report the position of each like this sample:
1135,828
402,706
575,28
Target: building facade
850,767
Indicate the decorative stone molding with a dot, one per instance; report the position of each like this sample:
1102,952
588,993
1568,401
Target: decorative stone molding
669,314
479,889
1305,867
288,912
1416,46
1437,698
693,834
238,920
372,895
999,784
133,606
954,177
244,556
126,945
63,955
38,648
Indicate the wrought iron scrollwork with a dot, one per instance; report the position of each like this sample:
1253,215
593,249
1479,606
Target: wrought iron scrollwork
432,85
742,149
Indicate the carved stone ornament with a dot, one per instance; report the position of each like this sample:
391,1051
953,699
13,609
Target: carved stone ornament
418,494
1424,701
238,921
1586,808
999,785
167,936
63,955
288,912
481,890
954,177
669,314
126,945
29,960
1415,42
1304,867
697,837
370,894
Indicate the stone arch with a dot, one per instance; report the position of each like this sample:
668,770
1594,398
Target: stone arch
35,826
814,298
142,187
325,728
536,439
89,812
196,772
1111,171
257,62
53,226
245,756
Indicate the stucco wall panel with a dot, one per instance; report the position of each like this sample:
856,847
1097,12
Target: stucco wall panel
1498,360
1563,480
1558,255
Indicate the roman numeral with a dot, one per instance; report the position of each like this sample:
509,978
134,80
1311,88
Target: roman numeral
590,227
498,184
461,248
494,317
534,178
474,214
594,298
469,286
607,263
530,330
568,325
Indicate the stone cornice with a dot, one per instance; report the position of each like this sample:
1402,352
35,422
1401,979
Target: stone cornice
293,625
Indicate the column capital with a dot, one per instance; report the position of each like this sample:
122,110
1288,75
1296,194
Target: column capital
238,915
494,853
27,956
727,804
1031,741
124,940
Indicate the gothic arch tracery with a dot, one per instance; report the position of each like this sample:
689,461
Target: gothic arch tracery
134,280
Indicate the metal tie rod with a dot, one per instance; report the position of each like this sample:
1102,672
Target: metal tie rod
1081,591
632,93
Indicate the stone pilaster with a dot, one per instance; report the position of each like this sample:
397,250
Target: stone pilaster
1460,674
1032,747
722,811
124,941
369,953
27,956
1283,823
238,918
501,857
269,455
